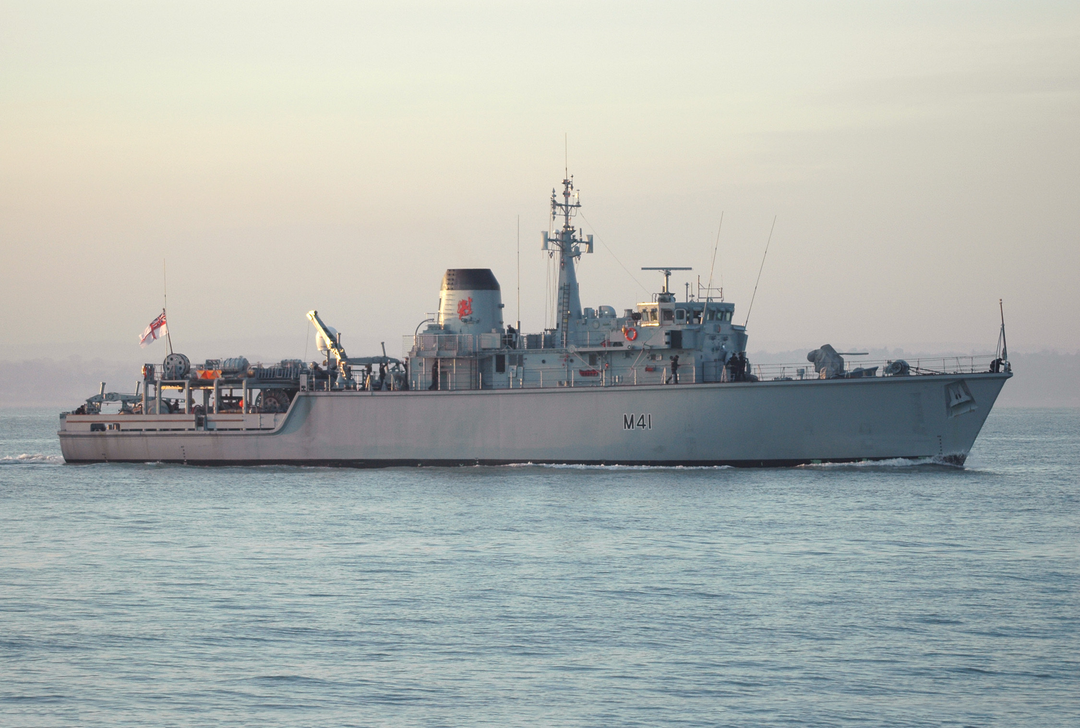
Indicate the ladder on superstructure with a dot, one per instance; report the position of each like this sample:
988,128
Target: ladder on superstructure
564,307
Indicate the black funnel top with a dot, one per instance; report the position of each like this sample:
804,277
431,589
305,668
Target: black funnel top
469,279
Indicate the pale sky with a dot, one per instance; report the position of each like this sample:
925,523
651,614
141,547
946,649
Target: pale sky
922,160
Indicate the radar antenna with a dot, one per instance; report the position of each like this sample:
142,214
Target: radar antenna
666,295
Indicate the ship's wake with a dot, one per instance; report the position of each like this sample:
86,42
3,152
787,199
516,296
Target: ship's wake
580,466
935,462
32,459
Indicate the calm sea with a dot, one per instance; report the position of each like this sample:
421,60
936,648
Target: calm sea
901,594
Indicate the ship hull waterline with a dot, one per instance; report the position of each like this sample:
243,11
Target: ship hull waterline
760,424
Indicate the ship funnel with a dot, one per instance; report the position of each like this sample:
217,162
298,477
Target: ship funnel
470,301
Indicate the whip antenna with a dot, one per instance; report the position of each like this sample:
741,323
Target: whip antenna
715,248
165,303
1004,345
518,274
759,273
708,291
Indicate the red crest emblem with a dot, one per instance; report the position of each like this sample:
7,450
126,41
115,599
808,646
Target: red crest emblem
464,308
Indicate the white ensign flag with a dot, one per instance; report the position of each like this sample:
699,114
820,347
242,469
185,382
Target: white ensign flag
156,328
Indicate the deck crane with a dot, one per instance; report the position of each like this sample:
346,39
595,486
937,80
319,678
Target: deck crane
345,363
333,344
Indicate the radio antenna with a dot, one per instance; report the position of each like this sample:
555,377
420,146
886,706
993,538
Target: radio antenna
519,274
745,323
1004,344
165,303
708,291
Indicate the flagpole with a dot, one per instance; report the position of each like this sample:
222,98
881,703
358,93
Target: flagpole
165,284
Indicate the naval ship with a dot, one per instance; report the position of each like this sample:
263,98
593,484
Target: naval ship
665,383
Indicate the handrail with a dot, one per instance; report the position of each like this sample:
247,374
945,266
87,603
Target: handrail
921,366
474,343
709,372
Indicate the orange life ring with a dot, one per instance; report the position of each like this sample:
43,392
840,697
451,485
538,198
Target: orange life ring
629,332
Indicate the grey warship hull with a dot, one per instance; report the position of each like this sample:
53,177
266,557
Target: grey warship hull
666,383
768,423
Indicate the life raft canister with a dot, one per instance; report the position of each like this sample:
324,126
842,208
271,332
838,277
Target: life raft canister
629,332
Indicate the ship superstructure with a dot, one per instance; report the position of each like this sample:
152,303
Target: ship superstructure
667,382
659,341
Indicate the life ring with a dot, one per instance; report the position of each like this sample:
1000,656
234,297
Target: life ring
629,332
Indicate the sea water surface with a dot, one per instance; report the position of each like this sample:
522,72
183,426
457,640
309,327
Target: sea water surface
899,594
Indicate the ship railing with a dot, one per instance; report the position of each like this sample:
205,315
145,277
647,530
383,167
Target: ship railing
535,341
454,344
861,368
589,339
470,344
593,376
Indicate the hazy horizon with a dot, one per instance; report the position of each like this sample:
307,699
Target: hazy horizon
921,161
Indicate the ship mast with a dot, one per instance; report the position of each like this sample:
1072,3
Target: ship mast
568,243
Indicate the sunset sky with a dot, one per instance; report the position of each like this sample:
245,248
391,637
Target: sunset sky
922,161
